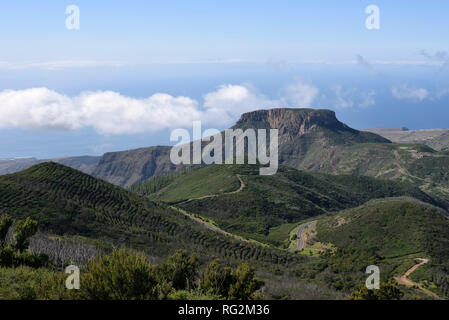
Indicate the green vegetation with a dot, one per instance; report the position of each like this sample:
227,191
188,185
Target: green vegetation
386,233
179,187
234,285
387,291
119,276
68,202
391,227
414,164
223,232
17,254
23,231
268,207
127,275
5,224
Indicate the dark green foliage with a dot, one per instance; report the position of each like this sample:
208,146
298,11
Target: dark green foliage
245,284
5,224
234,285
11,258
218,278
180,270
127,275
23,231
18,255
119,276
387,291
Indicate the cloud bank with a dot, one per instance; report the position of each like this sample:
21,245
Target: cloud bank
110,112
404,92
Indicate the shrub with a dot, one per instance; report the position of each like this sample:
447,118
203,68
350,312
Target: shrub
13,258
245,284
120,276
387,291
23,231
218,279
5,224
180,270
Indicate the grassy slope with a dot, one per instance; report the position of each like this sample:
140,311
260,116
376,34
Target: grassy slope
68,202
269,206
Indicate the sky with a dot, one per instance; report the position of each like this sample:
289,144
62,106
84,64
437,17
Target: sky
136,70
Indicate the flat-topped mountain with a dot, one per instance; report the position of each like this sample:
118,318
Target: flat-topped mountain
295,123
303,133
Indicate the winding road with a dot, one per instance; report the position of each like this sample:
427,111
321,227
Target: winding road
299,234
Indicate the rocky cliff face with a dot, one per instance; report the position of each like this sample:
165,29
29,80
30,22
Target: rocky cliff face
294,123
292,120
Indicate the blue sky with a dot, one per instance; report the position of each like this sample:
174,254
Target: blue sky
94,88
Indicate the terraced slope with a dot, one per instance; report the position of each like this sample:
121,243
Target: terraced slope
268,207
69,202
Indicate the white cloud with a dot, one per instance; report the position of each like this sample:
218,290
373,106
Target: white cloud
342,97
367,99
405,92
229,101
106,111
38,108
300,95
110,112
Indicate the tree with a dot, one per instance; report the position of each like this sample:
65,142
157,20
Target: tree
387,291
5,224
218,279
23,231
245,284
181,270
122,275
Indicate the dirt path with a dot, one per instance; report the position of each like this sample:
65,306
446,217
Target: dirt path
409,283
404,278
